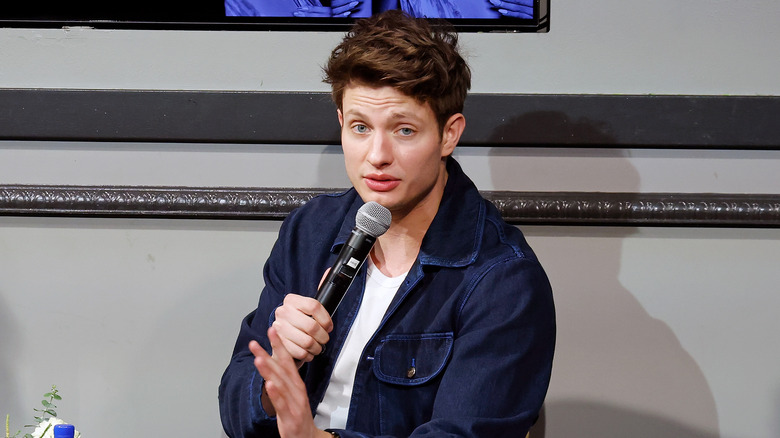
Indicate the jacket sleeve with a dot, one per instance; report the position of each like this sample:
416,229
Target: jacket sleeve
502,357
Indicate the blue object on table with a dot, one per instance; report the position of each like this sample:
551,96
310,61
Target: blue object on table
64,431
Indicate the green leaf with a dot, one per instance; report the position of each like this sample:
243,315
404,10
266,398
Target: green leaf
56,397
46,403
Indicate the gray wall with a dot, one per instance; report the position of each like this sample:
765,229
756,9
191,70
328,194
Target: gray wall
662,331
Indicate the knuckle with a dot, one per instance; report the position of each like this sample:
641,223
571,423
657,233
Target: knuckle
280,312
311,325
309,344
280,326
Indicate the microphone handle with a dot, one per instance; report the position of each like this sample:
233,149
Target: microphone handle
343,271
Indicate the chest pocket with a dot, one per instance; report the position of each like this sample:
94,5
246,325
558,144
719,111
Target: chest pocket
412,359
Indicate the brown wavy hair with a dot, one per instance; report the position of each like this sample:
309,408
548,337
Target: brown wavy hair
414,56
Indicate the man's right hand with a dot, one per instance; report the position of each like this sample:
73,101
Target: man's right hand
303,325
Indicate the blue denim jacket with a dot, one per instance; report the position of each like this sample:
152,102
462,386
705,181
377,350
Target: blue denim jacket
464,350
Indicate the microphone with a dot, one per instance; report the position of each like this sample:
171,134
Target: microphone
372,220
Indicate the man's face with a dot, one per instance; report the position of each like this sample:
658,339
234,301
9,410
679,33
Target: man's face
393,148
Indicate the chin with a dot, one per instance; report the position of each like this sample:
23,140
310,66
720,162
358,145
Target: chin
386,199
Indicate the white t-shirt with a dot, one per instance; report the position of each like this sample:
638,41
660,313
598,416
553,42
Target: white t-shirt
380,290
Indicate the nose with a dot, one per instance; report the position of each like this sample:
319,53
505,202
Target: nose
380,153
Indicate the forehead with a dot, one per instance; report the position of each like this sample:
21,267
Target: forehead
361,98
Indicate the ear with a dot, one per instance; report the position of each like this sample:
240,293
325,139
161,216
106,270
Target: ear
341,118
451,133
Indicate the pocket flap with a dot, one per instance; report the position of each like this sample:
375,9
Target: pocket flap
412,359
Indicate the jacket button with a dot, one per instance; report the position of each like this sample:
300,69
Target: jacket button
411,372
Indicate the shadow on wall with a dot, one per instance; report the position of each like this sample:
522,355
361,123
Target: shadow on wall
777,418
618,372
592,419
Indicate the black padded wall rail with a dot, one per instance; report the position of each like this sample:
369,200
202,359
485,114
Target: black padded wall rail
621,121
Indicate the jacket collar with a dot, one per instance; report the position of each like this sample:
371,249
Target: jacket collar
454,237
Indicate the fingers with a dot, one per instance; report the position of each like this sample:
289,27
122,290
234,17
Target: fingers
283,384
303,326
514,8
514,5
310,307
276,369
514,14
525,4
256,349
312,11
296,342
324,276
343,7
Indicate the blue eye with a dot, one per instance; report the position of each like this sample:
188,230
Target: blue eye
406,131
360,129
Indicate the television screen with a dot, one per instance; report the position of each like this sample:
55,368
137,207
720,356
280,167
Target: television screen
318,15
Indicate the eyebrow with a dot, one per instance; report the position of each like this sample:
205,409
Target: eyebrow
355,113
397,115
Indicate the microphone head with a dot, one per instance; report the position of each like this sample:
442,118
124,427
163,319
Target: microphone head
373,218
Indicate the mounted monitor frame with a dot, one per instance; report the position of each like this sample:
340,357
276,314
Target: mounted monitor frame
475,15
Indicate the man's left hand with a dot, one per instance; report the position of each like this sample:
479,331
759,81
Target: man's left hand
286,390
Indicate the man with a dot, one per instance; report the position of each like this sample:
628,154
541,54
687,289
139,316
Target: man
449,328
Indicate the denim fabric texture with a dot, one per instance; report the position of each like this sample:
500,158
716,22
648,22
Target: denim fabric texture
464,350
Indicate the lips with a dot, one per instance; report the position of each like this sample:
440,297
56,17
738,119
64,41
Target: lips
381,183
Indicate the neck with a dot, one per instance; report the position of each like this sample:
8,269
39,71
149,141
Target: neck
397,249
